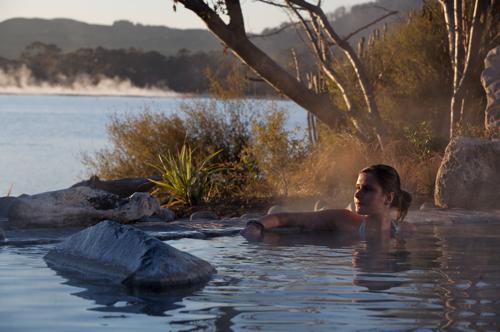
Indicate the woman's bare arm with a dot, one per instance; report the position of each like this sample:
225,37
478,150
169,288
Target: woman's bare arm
331,220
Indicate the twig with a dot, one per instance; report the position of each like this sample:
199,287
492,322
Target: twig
275,32
369,24
273,3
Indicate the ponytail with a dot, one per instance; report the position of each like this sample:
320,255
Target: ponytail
403,202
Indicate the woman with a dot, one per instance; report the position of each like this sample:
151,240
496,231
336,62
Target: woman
378,189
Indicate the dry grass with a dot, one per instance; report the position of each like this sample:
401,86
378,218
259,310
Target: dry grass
331,170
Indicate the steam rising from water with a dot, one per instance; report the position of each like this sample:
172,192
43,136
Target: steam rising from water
21,81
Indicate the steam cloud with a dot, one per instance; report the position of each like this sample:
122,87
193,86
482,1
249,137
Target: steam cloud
21,81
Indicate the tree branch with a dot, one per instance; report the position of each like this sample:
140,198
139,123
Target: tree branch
236,22
273,3
378,125
275,32
265,67
480,9
370,24
450,23
320,55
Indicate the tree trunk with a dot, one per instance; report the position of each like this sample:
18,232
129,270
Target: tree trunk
234,37
463,53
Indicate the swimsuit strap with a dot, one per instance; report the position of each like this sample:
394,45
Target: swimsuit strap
394,227
362,229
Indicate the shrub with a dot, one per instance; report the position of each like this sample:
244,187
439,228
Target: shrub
276,153
136,141
185,178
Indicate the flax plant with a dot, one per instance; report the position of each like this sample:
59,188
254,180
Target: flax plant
186,180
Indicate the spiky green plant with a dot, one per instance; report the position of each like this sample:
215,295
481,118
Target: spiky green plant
185,179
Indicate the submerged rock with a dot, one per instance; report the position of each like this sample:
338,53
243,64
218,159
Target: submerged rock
78,206
491,83
469,175
127,255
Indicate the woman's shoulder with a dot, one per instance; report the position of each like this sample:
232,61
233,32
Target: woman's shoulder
341,218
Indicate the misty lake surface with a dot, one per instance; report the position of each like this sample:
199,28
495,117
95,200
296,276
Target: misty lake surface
42,137
442,278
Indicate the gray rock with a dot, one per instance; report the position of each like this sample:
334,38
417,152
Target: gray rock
469,175
5,205
162,215
204,215
121,187
490,79
2,235
166,214
124,254
78,206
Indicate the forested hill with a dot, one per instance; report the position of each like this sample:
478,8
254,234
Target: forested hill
70,35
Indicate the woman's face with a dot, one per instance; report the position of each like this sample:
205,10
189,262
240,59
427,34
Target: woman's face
369,198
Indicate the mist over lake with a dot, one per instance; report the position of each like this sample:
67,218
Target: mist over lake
43,136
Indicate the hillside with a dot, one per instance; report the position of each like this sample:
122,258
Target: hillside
70,35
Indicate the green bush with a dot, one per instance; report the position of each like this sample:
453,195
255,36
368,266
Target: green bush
136,140
206,125
186,179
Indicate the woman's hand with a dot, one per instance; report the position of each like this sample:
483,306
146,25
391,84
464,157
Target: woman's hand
253,231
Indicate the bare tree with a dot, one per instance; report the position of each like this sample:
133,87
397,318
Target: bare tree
322,37
469,27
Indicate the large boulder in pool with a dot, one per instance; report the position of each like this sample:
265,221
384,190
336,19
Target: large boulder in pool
78,206
469,175
124,254
491,83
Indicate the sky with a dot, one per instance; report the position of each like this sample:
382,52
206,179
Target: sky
148,12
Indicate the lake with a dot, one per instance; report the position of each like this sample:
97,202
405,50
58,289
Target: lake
442,278
42,137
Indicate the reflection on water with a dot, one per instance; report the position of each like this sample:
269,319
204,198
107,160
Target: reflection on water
441,277
120,299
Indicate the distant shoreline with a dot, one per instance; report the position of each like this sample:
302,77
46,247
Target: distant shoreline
170,94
